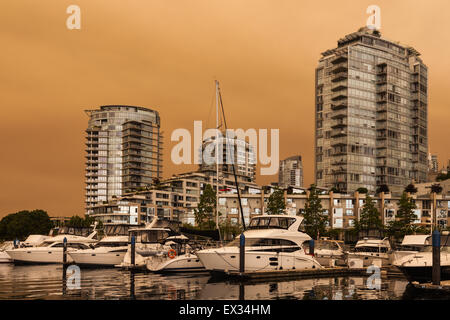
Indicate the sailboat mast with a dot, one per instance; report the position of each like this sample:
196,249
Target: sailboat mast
217,154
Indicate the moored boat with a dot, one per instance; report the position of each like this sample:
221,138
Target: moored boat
272,242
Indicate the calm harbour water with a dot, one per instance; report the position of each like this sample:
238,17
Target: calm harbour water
46,282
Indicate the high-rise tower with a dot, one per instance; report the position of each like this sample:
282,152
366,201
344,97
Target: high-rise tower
123,151
371,114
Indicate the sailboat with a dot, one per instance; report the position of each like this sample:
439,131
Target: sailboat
182,258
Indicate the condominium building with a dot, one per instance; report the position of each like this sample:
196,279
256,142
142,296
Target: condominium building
370,114
291,172
123,151
175,198
231,150
342,210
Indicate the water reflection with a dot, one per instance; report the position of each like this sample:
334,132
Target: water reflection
47,282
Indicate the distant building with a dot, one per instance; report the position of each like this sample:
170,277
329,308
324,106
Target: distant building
174,198
371,107
433,165
291,172
343,210
123,152
231,150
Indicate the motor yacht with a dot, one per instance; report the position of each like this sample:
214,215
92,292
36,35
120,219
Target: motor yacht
51,250
109,251
411,244
4,257
328,252
419,266
150,240
370,250
180,258
272,242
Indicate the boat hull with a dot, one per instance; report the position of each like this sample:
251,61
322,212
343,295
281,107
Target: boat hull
107,259
182,263
423,274
220,260
369,257
31,256
5,258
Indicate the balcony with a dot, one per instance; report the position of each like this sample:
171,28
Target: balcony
339,106
339,123
382,116
382,98
338,141
340,67
340,95
339,58
341,85
342,113
338,132
339,76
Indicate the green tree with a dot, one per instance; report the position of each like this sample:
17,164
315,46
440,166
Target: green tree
436,188
315,220
276,203
403,223
79,222
23,223
411,188
369,217
204,213
383,188
362,190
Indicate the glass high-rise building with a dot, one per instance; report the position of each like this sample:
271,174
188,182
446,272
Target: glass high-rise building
291,172
123,151
371,114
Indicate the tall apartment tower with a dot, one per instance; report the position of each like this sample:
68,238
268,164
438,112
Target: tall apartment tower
371,114
291,172
123,151
230,149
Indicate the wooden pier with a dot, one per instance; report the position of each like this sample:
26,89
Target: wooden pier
311,273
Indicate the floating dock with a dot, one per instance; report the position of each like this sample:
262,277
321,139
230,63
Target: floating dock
310,273
444,287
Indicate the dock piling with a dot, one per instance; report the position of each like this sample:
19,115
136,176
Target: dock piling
242,253
436,239
65,251
311,247
133,250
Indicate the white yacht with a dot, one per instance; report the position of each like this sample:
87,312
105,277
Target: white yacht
411,244
180,258
328,252
109,251
4,257
149,241
272,242
368,250
51,250
418,266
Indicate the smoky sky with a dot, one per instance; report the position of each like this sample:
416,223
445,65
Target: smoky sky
165,55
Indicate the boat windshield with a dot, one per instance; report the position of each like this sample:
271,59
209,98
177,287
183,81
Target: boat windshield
326,245
110,244
261,242
149,236
430,249
271,222
371,249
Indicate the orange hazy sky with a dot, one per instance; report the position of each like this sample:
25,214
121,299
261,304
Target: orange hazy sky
165,55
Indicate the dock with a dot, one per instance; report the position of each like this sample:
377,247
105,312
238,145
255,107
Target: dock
310,273
444,287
